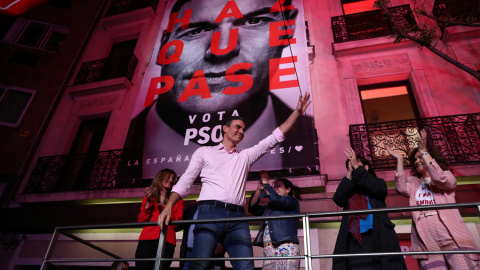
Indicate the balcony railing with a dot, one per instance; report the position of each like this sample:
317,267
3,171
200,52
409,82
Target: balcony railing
457,137
124,6
308,253
466,10
370,24
106,69
75,172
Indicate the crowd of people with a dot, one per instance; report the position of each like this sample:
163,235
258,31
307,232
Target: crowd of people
223,170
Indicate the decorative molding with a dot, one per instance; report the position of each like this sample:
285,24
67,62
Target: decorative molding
389,63
98,102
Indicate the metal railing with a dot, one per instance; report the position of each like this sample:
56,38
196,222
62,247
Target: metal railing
456,11
306,219
74,172
370,24
124,6
457,137
106,69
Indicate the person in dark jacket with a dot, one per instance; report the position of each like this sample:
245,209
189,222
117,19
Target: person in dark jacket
367,233
277,237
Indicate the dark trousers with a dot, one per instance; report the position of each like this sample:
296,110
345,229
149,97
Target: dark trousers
148,249
367,247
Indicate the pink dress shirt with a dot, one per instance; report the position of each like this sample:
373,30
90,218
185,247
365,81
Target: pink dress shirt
224,173
443,193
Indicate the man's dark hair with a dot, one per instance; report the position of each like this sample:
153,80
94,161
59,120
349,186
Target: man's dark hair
229,120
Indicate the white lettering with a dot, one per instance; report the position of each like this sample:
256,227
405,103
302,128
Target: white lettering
206,117
217,135
192,118
220,115
189,134
204,135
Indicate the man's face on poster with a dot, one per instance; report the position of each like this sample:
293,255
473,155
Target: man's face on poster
252,47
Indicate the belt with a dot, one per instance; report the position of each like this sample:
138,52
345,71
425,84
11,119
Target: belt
229,206
427,214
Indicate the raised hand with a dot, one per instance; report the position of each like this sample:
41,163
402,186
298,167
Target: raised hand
264,176
350,154
398,157
394,153
422,140
303,103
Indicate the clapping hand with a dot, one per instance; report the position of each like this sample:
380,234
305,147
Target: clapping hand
263,180
422,141
148,195
394,154
264,177
350,154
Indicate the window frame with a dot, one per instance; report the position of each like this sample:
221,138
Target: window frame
405,83
27,105
21,25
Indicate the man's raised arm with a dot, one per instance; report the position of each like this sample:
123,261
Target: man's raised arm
302,105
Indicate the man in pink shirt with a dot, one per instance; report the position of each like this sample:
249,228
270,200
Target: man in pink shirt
223,170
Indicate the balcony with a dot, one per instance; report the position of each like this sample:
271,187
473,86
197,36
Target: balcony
370,24
123,6
106,69
466,10
75,172
457,137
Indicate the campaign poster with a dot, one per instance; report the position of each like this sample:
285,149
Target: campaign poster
214,59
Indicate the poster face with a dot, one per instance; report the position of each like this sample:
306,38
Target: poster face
214,59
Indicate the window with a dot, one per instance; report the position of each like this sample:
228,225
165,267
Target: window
119,58
13,105
388,102
37,34
357,6
89,136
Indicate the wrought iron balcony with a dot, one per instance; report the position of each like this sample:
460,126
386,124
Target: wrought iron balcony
456,11
75,172
370,24
107,68
124,6
457,137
